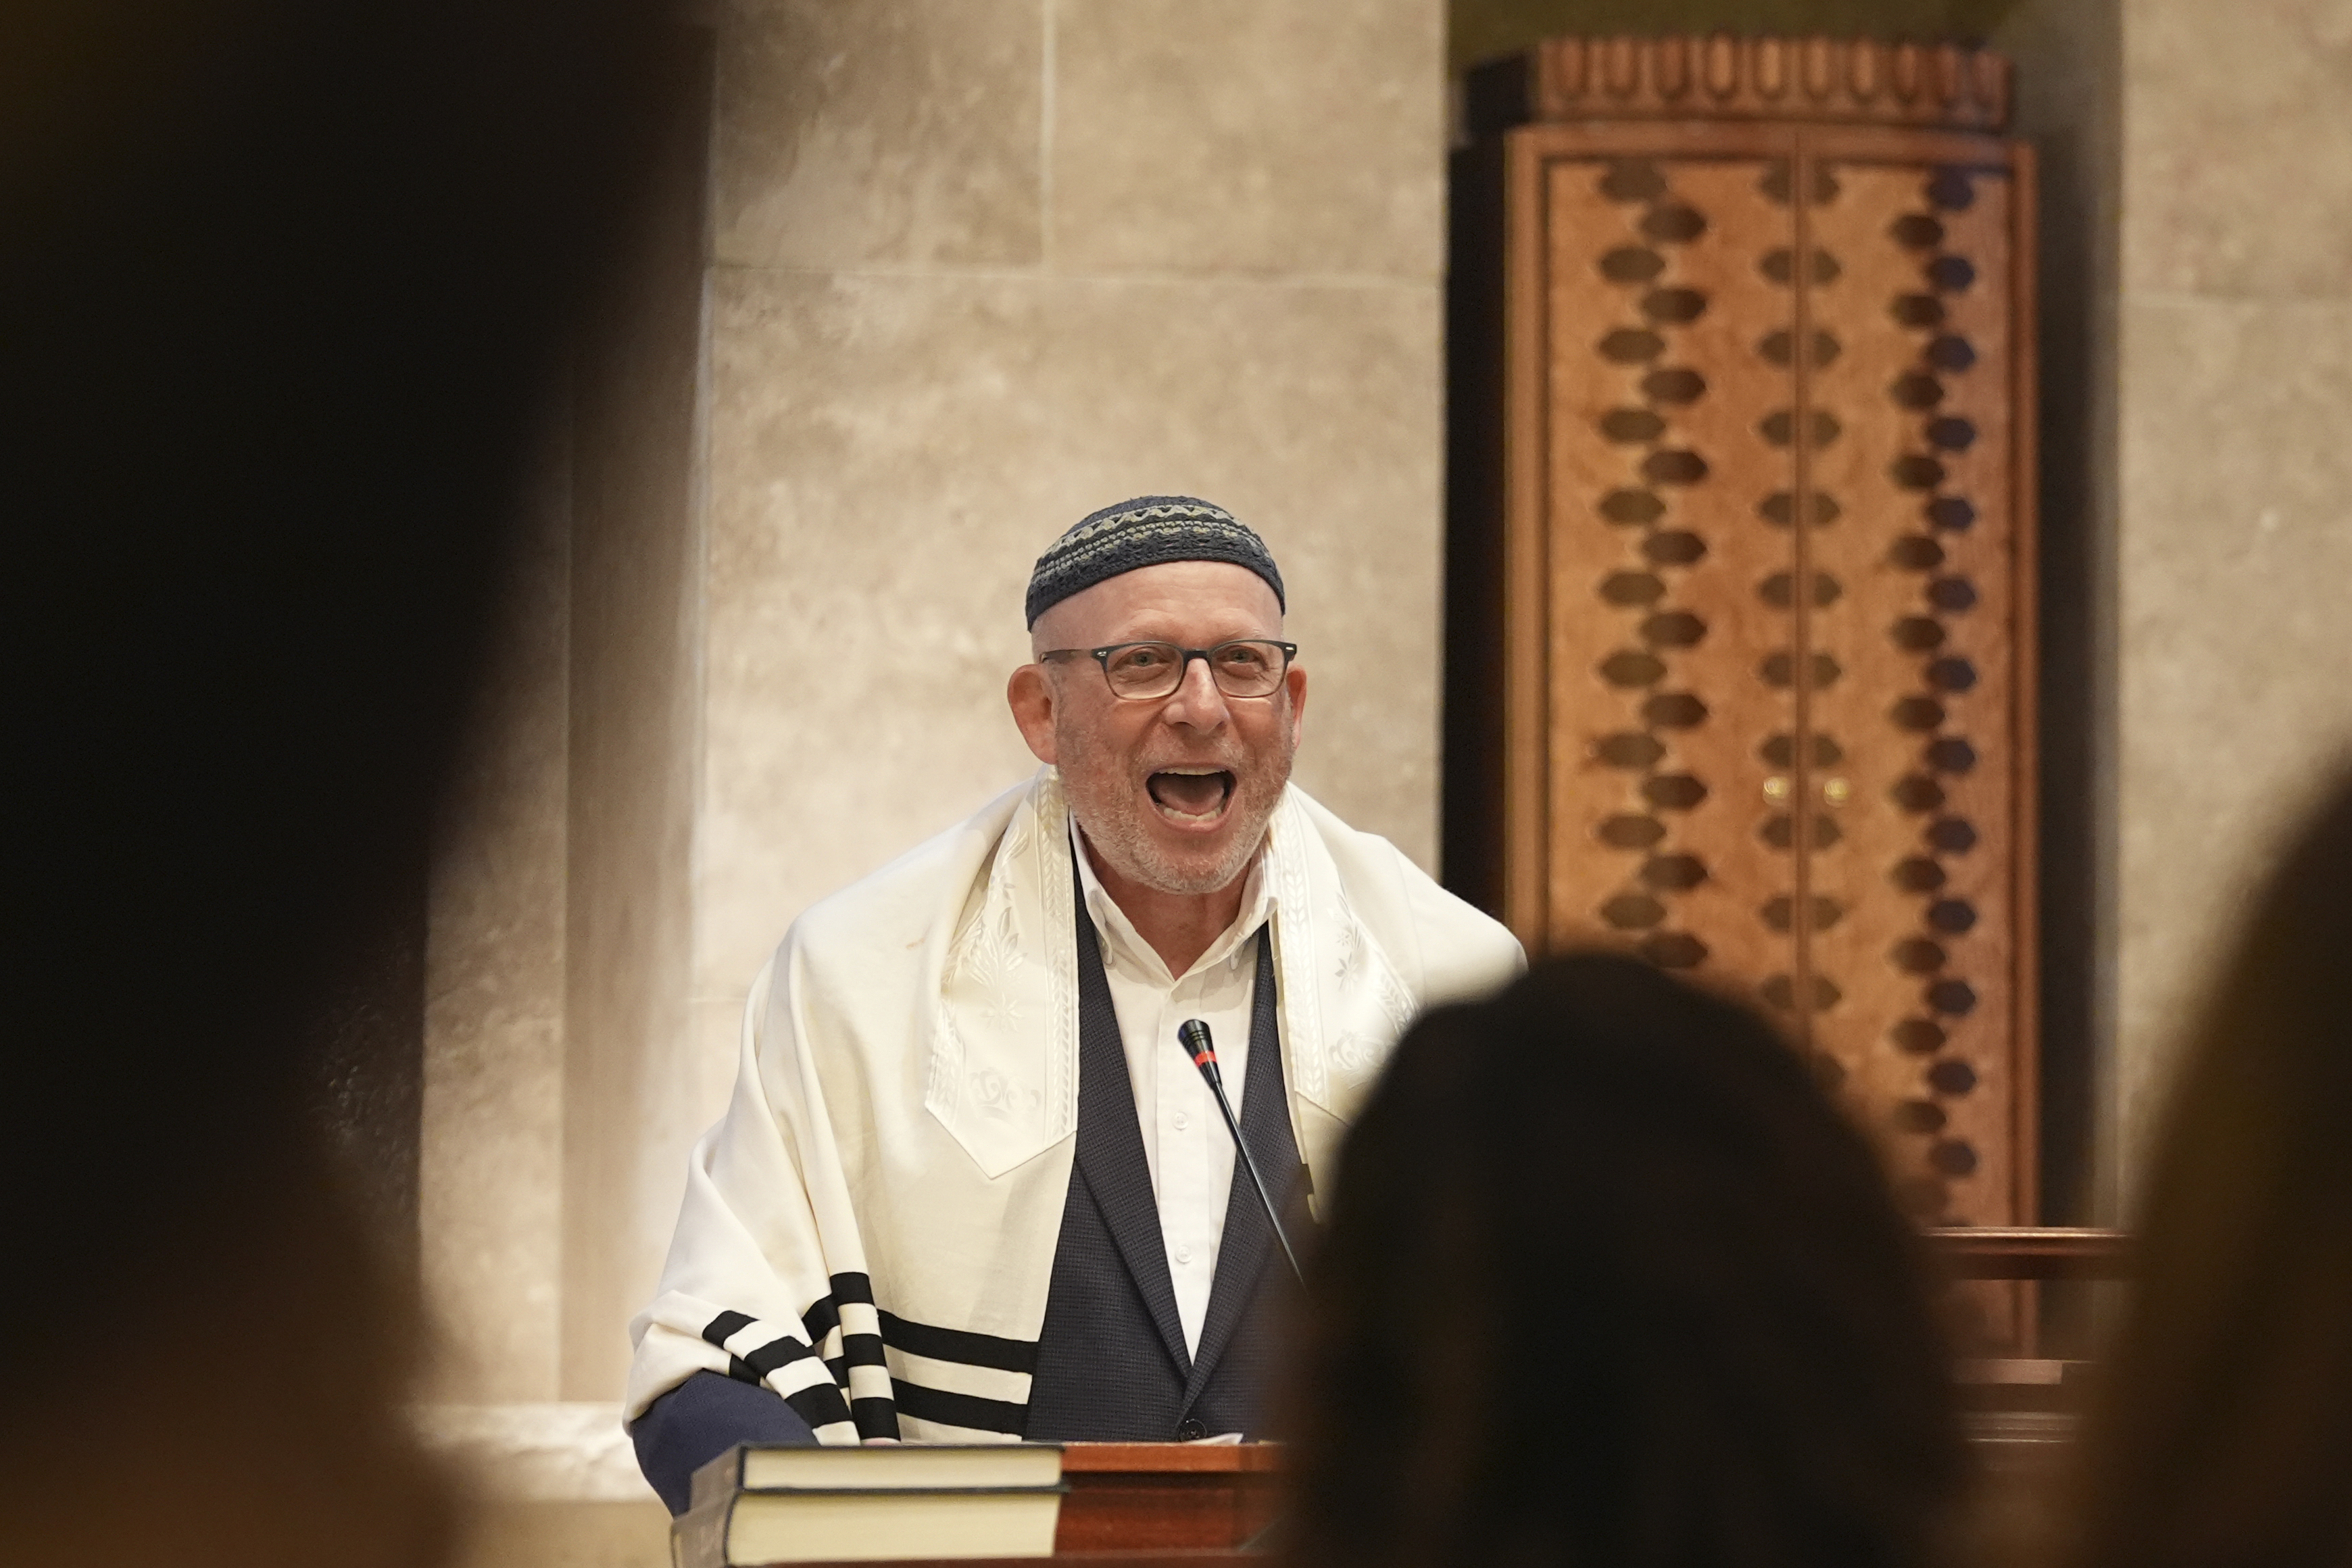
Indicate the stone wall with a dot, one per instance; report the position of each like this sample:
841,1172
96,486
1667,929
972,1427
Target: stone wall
2235,541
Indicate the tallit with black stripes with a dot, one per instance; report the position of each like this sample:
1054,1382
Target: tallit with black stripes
870,1230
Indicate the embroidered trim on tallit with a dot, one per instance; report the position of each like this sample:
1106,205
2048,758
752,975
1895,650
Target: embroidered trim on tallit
1011,977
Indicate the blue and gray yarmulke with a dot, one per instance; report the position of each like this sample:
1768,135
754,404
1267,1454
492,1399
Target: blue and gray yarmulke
1150,530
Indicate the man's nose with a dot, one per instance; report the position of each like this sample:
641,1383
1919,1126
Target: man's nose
1196,701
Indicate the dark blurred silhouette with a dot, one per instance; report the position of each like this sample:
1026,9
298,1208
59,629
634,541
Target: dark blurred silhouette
286,287
2223,1430
1609,1282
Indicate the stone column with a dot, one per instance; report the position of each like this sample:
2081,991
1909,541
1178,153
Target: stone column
2235,542
491,1145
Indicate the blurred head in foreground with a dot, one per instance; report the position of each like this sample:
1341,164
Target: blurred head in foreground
290,284
2223,1434
1609,1281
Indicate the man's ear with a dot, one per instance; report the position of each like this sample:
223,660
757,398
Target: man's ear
1031,696
1296,680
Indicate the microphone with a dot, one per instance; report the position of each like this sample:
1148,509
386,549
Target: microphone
1194,1036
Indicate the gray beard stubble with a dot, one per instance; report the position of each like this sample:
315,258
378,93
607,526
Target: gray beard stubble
1097,788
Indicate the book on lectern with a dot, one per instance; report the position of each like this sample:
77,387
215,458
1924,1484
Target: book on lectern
756,1504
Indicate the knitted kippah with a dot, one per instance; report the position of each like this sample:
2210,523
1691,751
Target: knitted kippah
1149,531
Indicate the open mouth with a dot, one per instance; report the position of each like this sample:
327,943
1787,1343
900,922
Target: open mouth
1191,795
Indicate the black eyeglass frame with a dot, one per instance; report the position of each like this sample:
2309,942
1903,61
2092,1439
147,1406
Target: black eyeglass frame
1101,657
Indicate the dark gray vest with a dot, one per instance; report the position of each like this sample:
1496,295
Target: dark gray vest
1111,1363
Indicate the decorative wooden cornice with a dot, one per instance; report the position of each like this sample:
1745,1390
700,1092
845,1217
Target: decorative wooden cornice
1847,80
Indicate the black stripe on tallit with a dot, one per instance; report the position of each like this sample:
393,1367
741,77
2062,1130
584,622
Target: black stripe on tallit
959,1345
961,1409
724,1327
862,1350
778,1352
823,1314
875,1417
820,1405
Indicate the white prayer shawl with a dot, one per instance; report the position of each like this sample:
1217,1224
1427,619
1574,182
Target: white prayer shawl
870,1230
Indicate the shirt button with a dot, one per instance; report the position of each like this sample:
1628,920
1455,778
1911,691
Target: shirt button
1182,1122
1184,1255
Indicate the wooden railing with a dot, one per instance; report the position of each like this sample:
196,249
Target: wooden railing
2020,1410
2032,1252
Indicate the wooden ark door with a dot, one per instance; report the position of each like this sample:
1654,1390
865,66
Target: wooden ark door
1764,585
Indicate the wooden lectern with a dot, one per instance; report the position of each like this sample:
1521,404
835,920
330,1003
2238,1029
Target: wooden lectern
1152,1497
1154,1505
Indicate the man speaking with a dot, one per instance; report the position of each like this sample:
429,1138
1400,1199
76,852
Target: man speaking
969,1186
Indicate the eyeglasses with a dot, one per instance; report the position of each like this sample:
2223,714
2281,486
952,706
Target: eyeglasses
1248,667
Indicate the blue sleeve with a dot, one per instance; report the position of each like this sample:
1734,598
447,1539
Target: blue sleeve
700,1419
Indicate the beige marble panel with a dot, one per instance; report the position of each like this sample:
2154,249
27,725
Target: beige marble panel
636,584
715,1038
541,1451
491,1139
2237,171
904,134
890,454
2236,671
568,1534
1276,135
630,1109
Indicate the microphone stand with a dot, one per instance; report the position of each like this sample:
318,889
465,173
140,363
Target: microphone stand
1194,1036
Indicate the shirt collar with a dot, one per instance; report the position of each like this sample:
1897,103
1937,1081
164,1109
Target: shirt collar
1111,922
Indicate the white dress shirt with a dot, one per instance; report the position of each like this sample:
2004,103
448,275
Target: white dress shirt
1185,1141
